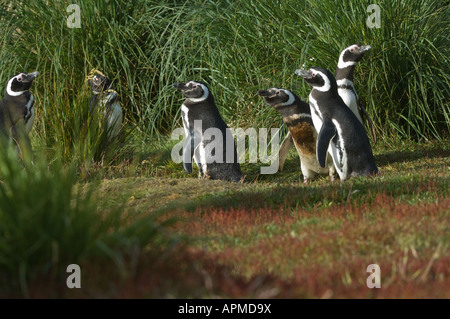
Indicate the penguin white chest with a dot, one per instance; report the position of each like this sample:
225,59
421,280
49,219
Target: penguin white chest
199,152
316,115
185,119
339,153
347,92
351,100
114,117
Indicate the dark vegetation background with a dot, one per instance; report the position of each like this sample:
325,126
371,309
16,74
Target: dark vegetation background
237,47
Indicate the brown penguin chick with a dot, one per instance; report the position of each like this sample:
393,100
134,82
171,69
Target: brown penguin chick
297,117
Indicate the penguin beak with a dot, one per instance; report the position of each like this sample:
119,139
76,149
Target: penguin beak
306,74
364,48
30,76
179,86
264,93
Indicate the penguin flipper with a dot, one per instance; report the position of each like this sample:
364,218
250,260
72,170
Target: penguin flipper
363,112
286,145
189,146
188,153
327,132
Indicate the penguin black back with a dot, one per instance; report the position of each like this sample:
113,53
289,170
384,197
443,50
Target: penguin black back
17,111
105,96
199,114
348,60
201,104
351,150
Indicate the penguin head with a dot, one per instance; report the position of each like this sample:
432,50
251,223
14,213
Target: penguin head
319,78
352,55
100,83
195,91
276,97
21,83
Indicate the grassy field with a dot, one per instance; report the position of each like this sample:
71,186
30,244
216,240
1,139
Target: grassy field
277,238
139,226
169,236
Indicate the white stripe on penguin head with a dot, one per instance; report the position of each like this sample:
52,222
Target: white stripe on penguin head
203,97
8,87
341,63
326,86
291,99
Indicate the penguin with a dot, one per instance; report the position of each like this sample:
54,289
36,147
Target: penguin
340,131
17,112
348,59
297,117
216,158
106,97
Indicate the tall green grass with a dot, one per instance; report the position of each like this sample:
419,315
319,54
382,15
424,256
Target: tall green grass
237,47
48,222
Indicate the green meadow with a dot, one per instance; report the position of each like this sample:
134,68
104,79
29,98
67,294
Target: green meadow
140,227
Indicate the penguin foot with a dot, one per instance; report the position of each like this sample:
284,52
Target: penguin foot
333,177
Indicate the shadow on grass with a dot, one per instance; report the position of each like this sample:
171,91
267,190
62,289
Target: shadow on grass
405,156
183,273
357,191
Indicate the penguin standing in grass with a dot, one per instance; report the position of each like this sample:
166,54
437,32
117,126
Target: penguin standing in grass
340,131
344,78
106,97
216,157
348,59
17,112
297,117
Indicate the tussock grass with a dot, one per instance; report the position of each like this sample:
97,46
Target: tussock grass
47,222
237,47
276,237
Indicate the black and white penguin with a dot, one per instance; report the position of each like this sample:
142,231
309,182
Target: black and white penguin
344,78
106,97
348,59
340,131
17,111
216,157
297,117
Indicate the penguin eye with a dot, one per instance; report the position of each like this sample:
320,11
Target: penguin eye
314,74
352,50
278,93
194,86
19,79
